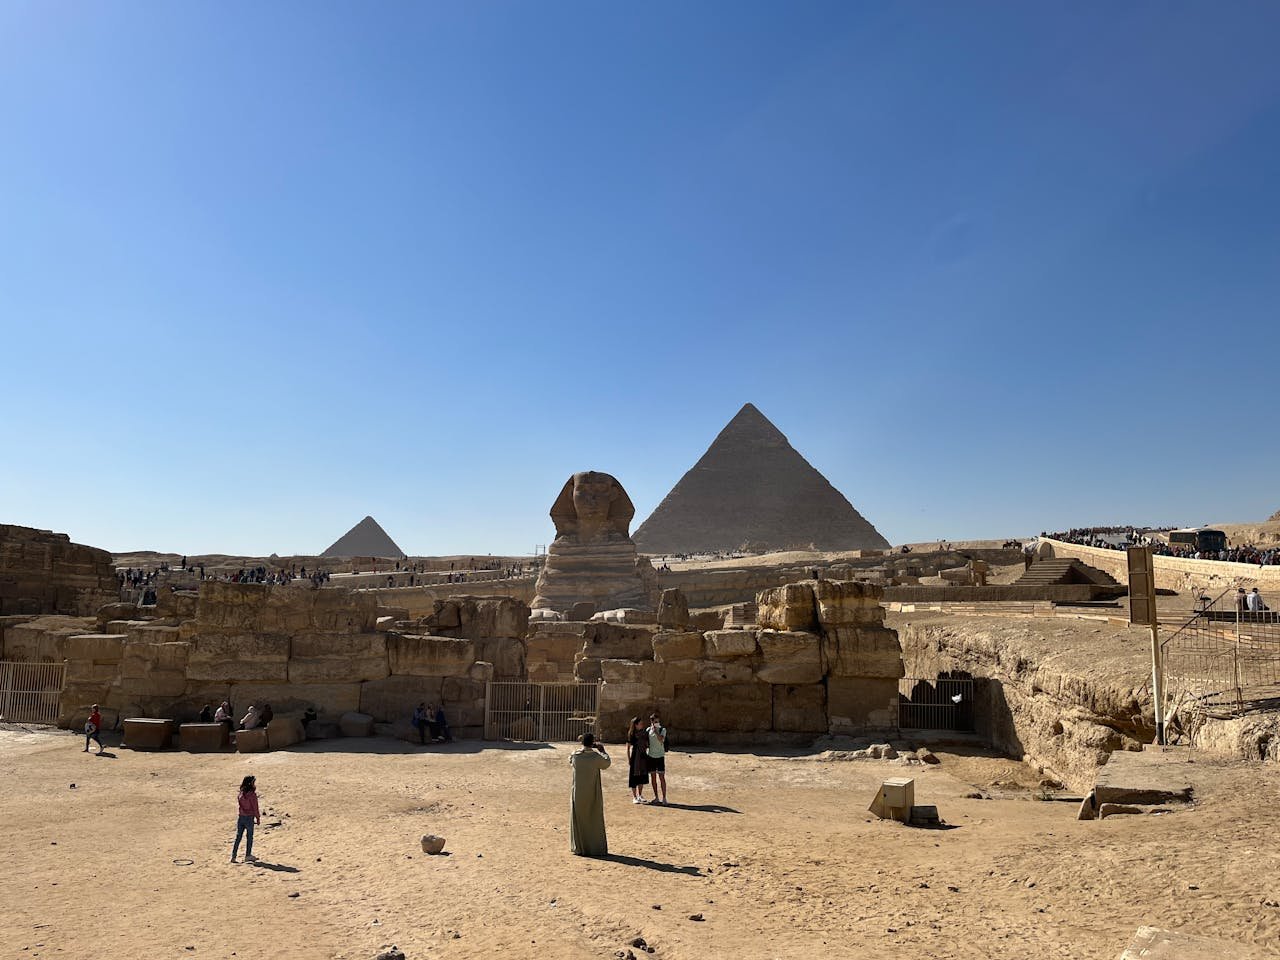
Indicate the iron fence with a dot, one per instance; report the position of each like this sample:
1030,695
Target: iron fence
546,712
1225,660
943,702
30,692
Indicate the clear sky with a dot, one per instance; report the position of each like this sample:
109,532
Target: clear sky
992,268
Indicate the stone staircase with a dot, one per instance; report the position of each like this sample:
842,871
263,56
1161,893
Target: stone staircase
1066,570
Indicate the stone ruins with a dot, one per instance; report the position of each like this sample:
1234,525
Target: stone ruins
365,539
593,559
751,488
44,572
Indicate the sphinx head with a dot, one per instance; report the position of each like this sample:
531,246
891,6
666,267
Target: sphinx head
592,505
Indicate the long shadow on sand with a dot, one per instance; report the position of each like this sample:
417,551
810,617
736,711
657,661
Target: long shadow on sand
277,867
700,807
651,864
389,745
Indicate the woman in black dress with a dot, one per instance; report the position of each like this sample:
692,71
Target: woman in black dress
637,765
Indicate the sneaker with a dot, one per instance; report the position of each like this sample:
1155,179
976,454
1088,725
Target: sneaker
250,858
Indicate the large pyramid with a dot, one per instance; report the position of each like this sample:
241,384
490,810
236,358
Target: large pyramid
751,488
365,539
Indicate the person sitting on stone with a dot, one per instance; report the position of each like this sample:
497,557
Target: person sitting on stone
267,714
252,718
308,716
442,727
421,723
223,714
206,714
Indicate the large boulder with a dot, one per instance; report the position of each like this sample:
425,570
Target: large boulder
789,607
285,732
671,645
356,725
673,609
430,656
790,657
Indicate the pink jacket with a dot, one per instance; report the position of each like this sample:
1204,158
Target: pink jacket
249,804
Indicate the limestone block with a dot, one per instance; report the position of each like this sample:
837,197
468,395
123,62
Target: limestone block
627,671
861,702
394,698
672,645
323,730
673,609
229,658
155,684
447,614
800,708
151,632
790,657
617,641
554,648
480,672
683,672
587,670
866,651
625,696
479,618
327,699
142,658
544,672
428,656
285,732
506,654
789,607
721,672
705,620
86,671
115,611
146,733
731,643
743,707
252,741
95,647
461,689
204,737
356,724
847,602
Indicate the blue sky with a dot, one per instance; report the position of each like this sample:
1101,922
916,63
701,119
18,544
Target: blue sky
992,268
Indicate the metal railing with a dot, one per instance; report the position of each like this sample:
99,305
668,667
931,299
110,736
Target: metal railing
545,712
1224,660
30,692
936,703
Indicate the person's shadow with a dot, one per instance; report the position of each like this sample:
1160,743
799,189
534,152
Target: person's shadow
651,864
106,753
277,867
700,807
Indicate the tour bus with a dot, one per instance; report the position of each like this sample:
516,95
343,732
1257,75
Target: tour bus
1202,539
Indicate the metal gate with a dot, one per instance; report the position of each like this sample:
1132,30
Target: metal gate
936,703
29,692
547,712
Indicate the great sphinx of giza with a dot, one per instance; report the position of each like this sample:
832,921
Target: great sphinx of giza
593,558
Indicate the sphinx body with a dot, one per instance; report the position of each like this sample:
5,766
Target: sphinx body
593,558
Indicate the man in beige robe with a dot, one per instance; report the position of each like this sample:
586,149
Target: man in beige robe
586,804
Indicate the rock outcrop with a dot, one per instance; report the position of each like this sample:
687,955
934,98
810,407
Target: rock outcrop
751,488
42,572
593,558
365,539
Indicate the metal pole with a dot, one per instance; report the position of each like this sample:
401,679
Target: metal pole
488,719
542,700
1157,676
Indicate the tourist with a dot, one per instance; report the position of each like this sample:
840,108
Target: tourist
223,714
586,802
267,714
1242,601
93,729
251,718
420,722
308,716
656,754
1256,604
442,727
247,816
206,714
637,759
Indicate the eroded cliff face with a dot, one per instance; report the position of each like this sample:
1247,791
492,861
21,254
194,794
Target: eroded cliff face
42,572
1061,694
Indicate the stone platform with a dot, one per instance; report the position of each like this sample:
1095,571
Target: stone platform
146,733
204,737
1151,777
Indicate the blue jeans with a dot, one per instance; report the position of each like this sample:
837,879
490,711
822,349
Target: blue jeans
244,826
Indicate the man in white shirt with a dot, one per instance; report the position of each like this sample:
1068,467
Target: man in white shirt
657,758
1256,604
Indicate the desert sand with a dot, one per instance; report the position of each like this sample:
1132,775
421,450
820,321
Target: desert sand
774,850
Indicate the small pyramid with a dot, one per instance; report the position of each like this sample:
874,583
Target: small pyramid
365,539
752,488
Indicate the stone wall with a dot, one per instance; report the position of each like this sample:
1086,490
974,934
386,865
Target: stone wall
1061,695
1173,573
42,572
289,645
419,601
818,660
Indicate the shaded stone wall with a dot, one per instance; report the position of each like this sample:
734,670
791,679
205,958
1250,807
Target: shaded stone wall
819,659
290,646
42,572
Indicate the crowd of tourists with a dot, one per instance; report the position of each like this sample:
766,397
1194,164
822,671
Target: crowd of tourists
1120,538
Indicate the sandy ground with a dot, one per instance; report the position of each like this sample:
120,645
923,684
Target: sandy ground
775,852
